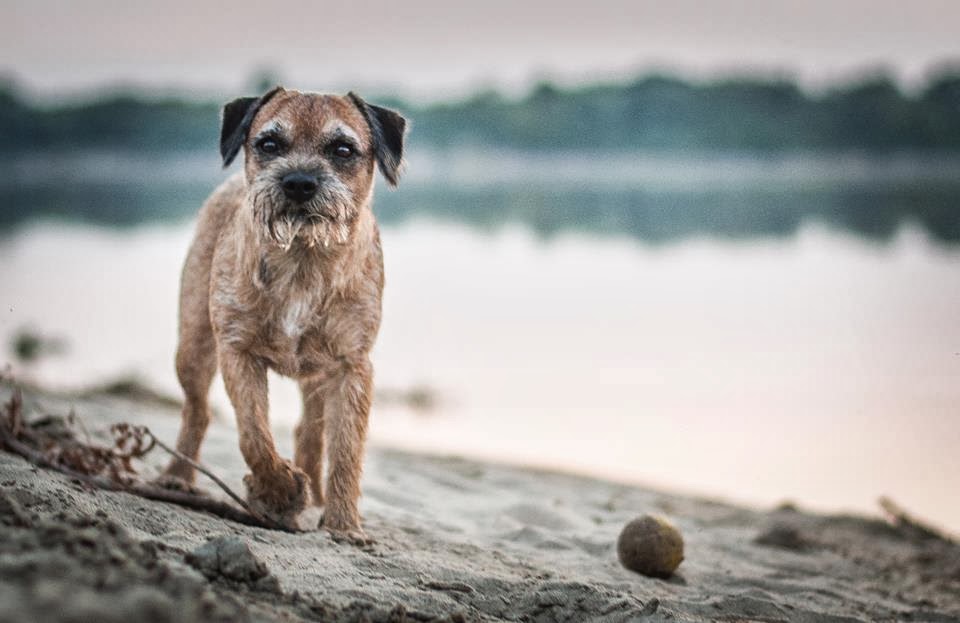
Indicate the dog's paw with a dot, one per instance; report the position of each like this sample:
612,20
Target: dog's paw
172,482
178,475
344,530
357,538
280,495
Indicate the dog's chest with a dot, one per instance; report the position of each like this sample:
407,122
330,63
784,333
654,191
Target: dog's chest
294,338
295,315
300,319
309,331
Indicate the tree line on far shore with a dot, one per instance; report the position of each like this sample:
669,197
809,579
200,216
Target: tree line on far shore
655,112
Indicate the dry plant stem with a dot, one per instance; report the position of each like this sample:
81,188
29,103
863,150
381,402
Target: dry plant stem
899,517
188,500
209,474
13,421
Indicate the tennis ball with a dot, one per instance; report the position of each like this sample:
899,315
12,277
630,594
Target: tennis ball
651,546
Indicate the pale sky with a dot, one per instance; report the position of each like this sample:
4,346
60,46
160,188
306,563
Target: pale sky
435,48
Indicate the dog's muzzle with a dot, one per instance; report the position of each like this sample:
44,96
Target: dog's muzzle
299,186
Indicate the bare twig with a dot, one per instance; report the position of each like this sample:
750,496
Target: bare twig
209,474
72,419
15,412
13,429
904,520
438,585
151,492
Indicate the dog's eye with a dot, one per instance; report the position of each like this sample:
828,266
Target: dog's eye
342,150
268,146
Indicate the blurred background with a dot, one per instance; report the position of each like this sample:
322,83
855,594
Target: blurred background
706,247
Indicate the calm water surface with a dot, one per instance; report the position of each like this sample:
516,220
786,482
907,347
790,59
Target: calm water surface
812,362
823,370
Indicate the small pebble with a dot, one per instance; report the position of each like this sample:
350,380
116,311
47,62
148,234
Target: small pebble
784,537
228,557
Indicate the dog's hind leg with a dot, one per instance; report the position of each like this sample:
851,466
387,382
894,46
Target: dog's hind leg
308,438
196,347
196,367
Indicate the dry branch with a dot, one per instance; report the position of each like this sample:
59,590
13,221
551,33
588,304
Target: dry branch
917,528
209,474
111,468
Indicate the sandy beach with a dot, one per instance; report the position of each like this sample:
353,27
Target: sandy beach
456,540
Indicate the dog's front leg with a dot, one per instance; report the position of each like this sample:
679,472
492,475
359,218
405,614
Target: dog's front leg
274,486
347,407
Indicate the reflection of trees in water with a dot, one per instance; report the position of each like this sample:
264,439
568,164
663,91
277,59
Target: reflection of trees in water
875,212
116,203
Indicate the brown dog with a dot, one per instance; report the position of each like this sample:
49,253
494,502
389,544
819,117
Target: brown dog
286,273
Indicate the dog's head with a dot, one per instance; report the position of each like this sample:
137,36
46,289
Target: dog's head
309,160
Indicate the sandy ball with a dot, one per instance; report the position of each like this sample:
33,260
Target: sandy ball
651,546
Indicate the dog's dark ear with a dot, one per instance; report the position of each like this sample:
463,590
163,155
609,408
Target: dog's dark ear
237,117
387,128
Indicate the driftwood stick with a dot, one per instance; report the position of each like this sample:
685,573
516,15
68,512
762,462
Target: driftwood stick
209,474
15,413
151,492
12,420
904,520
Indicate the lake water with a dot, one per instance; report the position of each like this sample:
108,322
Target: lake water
746,328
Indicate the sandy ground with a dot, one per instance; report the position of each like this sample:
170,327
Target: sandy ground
456,540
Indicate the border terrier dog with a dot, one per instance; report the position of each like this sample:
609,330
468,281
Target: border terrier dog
285,273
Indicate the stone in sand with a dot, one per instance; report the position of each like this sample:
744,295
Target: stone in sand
651,546
228,557
784,537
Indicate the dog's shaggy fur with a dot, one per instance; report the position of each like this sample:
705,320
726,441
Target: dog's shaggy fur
286,273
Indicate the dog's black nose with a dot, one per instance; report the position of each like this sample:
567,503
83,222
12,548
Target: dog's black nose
299,186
